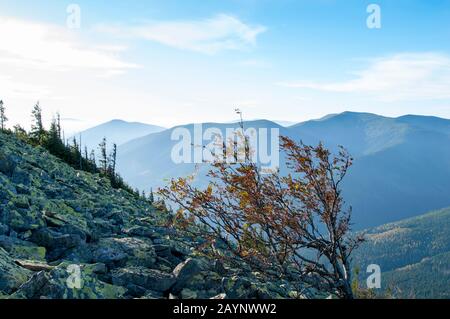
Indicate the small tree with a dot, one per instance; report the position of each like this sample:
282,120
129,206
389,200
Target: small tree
292,227
3,118
37,128
20,132
151,196
53,142
92,158
103,161
75,154
58,125
112,161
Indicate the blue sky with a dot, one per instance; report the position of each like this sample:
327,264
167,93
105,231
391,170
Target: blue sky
173,62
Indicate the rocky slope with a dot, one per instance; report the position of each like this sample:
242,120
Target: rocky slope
58,225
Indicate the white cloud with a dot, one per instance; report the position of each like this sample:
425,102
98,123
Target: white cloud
44,46
12,88
402,77
222,32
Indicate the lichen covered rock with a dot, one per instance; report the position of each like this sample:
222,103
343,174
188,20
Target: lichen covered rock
11,275
68,234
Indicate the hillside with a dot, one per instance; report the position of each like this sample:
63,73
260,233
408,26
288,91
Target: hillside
401,167
414,255
56,221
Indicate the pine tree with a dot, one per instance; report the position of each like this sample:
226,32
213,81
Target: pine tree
81,155
86,154
93,160
112,161
53,142
75,153
151,197
58,124
20,132
103,161
37,129
3,118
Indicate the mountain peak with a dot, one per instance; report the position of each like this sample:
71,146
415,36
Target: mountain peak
114,121
117,131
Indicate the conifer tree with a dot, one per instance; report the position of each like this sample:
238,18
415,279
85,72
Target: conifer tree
151,197
92,158
53,142
75,153
20,132
37,129
103,161
112,161
58,124
3,118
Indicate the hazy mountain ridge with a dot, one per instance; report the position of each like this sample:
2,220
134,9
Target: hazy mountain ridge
146,162
116,131
401,168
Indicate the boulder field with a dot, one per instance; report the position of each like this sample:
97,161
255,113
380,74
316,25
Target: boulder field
66,233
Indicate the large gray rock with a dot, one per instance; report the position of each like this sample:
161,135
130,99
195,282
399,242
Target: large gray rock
21,176
20,216
11,275
150,279
55,285
239,287
141,231
4,229
184,272
53,239
22,249
8,163
118,252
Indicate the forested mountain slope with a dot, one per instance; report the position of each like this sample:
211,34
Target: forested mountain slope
414,255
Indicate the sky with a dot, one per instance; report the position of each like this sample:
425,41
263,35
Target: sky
175,62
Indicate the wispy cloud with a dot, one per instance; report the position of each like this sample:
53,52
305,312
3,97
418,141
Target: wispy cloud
407,76
49,47
11,87
209,36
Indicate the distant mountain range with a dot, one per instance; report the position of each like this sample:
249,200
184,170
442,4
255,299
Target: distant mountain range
146,162
116,131
401,167
413,254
